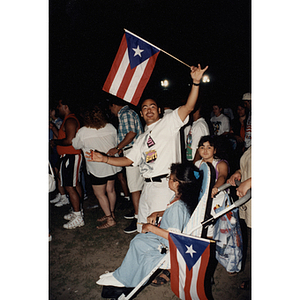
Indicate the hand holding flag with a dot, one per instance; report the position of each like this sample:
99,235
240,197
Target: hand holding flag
197,73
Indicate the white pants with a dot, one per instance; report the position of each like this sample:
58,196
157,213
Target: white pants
155,196
135,180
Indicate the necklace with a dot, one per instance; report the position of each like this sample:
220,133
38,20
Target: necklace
174,200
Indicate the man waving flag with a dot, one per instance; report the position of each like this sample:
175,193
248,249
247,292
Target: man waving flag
131,69
189,258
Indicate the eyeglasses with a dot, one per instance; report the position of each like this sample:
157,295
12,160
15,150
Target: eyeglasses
169,178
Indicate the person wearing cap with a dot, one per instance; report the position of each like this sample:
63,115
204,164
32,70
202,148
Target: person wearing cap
155,150
247,103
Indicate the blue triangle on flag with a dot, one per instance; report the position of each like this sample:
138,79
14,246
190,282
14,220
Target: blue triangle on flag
190,248
138,50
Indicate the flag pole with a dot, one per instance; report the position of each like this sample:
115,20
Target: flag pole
158,48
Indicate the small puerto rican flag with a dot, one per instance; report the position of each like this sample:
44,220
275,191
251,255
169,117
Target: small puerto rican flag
131,69
189,257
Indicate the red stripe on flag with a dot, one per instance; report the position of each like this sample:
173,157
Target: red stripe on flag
144,80
174,268
125,82
202,272
187,285
115,65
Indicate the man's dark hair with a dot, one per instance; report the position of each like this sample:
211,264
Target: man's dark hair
71,104
116,101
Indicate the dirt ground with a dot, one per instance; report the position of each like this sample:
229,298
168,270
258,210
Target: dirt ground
78,257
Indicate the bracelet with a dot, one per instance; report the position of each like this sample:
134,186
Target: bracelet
107,159
118,148
196,84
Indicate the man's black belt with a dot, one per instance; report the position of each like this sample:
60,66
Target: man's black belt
127,148
157,178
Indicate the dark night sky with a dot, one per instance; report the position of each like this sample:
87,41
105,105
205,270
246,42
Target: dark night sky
84,37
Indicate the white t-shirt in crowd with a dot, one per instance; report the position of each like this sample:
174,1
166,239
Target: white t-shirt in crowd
102,139
220,124
193,133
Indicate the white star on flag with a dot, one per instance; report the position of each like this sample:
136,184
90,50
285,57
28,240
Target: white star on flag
137,51
190,250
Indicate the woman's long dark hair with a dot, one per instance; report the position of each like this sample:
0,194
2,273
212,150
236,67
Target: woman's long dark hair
190,182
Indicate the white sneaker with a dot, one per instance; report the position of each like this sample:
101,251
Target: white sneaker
77,221
109,279
56,199
63,201
71,215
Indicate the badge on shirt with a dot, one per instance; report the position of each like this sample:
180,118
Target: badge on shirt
151,156
150,142
189,146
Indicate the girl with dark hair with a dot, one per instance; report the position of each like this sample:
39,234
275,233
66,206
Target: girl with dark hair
145,249
208,150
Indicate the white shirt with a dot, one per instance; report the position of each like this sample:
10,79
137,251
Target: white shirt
102,139
157,148
220,124
193,134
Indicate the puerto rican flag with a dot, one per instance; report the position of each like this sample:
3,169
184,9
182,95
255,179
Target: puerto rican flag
189,258
131,69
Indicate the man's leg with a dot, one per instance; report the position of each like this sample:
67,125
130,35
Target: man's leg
74,197
135,196
155,197
70,169
135,184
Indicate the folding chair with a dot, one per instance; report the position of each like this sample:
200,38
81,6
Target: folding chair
194,227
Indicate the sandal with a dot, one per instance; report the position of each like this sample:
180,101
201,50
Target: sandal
161,279
102,219
109,223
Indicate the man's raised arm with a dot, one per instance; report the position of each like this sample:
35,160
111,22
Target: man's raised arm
196,75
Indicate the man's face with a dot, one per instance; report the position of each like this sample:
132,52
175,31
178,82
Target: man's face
216,110
241,111
247,104
61,109
150,112
113,109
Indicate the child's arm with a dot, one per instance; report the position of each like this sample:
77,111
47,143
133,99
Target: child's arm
222,169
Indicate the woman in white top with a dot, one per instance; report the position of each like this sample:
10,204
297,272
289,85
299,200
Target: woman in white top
98,135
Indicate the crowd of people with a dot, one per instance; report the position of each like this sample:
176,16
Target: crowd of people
158,165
